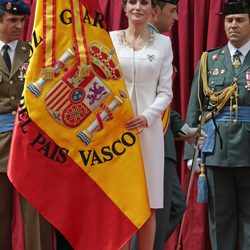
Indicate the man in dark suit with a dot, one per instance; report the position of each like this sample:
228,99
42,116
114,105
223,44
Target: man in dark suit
223,75
13,65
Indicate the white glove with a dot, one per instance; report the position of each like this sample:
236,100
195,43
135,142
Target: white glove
200,141
197,165
186,130
192,134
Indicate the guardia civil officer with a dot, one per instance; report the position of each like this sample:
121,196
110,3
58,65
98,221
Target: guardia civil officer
223,75
14,55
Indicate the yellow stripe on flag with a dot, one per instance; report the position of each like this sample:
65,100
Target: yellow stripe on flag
165,119
49,32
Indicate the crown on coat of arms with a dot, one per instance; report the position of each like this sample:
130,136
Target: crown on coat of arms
104,62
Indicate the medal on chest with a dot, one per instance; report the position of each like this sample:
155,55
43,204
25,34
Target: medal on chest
22,72
247,86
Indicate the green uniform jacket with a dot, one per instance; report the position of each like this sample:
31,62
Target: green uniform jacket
175,124
235,136
11,87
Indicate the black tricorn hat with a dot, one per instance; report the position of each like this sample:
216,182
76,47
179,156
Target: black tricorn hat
175,2
236,7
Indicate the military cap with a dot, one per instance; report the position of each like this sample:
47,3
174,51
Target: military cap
175,2
15,7
236,7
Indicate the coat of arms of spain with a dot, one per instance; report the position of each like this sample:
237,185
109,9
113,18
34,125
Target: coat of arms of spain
74,97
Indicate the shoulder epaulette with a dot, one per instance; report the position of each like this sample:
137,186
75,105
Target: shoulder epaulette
211,50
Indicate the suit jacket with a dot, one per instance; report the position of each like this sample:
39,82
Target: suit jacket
11,87
235,136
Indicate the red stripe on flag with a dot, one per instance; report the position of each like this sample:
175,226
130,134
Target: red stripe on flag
54,33
65,195
74,33
84,35
60,98
54,94
44,33
63,104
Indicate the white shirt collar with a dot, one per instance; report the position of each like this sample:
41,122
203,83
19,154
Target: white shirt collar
243,49
12,49
12,45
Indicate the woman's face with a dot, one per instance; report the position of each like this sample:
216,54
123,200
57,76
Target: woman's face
138,11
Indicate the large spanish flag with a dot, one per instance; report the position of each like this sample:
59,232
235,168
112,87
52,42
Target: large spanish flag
71,155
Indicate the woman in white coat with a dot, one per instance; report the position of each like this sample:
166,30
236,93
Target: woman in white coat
146,62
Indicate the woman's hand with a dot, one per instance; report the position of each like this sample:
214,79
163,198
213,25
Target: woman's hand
139,122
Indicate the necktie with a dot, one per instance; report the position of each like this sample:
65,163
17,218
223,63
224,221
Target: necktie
6,56
236,59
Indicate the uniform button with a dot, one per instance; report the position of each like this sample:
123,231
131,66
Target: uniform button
13,112
12,98
11,82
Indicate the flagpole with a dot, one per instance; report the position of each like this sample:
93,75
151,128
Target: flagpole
192,172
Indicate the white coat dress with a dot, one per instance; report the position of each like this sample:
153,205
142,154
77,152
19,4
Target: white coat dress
148,77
